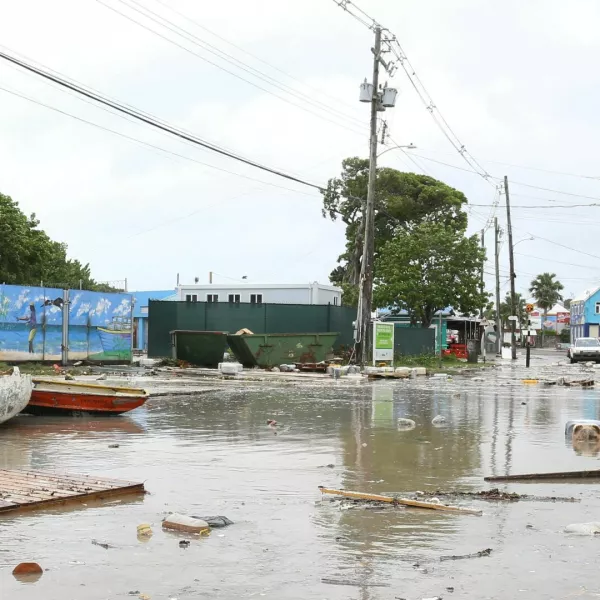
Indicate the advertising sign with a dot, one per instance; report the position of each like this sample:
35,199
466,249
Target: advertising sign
383,341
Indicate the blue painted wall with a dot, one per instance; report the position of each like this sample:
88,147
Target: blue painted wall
99,324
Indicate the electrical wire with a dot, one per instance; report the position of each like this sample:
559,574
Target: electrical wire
538,207
139,116
553,260
147,144
257,58
232,73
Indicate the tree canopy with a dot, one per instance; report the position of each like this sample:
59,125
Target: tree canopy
427,268
506,309
403,201
28,256
546,290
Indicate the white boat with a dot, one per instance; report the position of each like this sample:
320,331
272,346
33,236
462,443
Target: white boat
15,392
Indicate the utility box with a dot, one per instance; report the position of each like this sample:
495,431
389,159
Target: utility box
472,351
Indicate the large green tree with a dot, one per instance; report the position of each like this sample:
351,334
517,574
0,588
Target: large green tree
28,256
403,201
546,290
428,267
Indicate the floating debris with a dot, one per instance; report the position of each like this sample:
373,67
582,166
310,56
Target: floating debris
479,554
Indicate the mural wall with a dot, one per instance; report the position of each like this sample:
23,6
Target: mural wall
31,325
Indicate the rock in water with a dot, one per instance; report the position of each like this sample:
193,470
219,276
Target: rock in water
439,420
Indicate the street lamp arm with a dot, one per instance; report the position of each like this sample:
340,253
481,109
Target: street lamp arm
409,147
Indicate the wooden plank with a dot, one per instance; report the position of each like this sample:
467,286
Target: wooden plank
29,490
401,501
27,481
594,474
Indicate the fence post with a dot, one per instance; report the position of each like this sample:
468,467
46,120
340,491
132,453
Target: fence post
65,329
265,320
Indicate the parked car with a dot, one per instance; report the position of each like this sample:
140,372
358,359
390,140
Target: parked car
585,349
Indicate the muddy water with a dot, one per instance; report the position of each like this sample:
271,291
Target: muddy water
215,455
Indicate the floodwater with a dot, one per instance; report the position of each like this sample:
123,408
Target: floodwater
215,455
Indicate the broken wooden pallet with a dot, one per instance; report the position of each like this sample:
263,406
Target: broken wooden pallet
31,490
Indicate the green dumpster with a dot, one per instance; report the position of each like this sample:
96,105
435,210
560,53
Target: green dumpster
273,349
199,348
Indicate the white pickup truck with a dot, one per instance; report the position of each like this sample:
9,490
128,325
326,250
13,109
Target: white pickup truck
585,349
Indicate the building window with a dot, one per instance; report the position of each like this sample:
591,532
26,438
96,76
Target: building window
256,298
212,297
598,308
234,298
335,301
191,298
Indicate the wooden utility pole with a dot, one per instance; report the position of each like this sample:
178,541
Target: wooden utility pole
482,285
511,258
499,332
365,303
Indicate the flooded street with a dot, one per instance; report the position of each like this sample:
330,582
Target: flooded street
215,455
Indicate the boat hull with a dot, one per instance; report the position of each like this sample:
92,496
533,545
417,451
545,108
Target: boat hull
15,393
62,397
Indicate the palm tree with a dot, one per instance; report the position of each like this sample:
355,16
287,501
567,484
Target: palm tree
546,290
506,309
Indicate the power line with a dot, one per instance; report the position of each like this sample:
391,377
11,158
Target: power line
203,45
149,121
538,207
553,260
254,56
147,144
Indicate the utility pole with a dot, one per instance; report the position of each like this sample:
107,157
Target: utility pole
511,258
481,316
365,306
499,332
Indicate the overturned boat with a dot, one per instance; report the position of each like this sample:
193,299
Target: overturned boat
15,393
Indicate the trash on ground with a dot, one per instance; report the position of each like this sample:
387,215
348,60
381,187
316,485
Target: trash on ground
361,583
27,568
215,521
184,543
530,381
400,501
595,474
144,530
113,446
102,544
565,382
479,554
592,528
406,424
439,420
495,495
177,522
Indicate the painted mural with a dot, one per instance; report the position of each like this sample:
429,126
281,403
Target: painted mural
31,324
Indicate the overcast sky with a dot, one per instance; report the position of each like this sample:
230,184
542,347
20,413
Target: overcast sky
517,81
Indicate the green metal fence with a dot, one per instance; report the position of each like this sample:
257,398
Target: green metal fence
413,341
166,316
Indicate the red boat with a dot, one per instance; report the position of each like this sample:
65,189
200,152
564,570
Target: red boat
60,397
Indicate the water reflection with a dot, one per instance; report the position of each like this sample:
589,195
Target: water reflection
215,454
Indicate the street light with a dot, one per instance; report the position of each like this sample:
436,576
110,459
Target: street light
410,146
528,239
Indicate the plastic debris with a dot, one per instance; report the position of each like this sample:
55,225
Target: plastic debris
184,543
405,424
113,446
29,568
177,522
216,521
144,530
583,528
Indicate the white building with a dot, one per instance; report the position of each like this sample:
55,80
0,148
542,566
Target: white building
254,293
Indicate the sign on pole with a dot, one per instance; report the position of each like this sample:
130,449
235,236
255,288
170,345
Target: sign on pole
383,341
